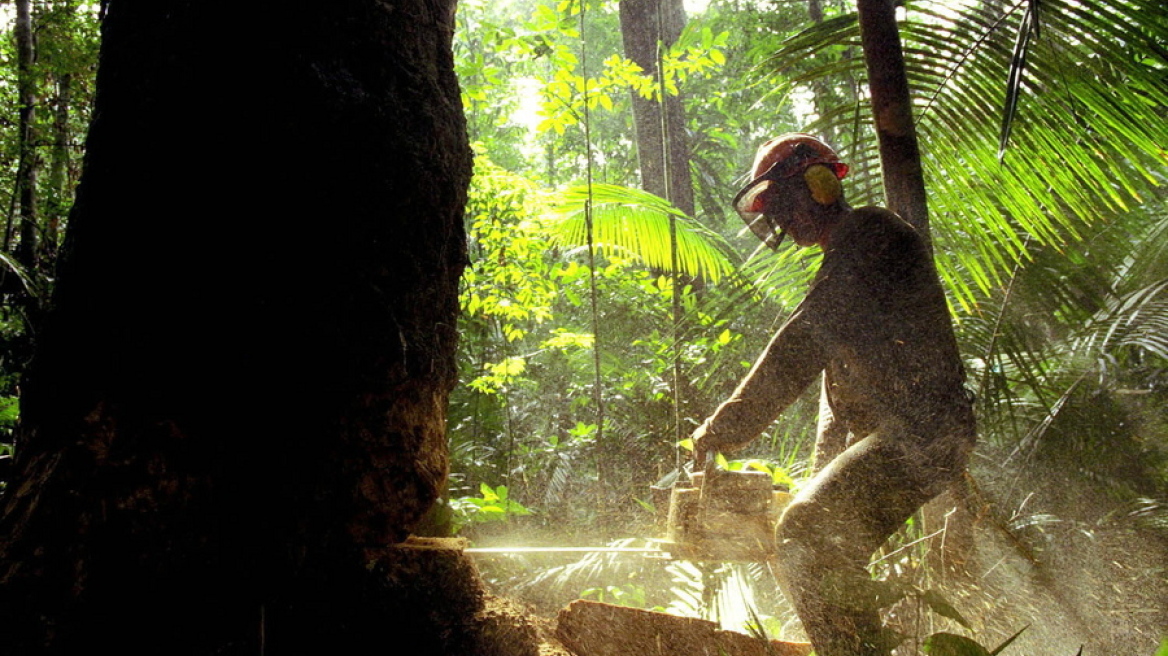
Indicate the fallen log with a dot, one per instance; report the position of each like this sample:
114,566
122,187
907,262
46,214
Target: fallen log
589,628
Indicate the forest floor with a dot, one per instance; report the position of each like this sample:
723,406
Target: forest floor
1066,585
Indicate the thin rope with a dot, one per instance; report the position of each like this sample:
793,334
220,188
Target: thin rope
674,263
597,392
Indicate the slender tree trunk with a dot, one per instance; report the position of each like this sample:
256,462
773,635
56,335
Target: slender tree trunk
645,24
26,175
821,87
238,400
900,157
815,10
58,183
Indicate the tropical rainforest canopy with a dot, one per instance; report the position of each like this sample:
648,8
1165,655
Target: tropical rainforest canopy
614,298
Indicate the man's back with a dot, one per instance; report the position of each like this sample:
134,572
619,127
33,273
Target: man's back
881,311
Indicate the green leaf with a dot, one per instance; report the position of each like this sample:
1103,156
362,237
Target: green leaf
645,504
638,224
941,606
9,410
1027,30
26,280
951,644
1007,642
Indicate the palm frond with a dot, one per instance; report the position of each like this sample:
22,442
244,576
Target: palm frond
1092,317
1136,320
637,224
26,279
1027,29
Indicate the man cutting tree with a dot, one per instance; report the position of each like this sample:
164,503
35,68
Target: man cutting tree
876,325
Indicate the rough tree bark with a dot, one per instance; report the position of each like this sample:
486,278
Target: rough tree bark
238,398
644,24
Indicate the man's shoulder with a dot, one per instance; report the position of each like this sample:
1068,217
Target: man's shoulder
873,219
875,239
876,230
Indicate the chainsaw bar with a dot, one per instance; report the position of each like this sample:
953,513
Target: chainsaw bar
648,551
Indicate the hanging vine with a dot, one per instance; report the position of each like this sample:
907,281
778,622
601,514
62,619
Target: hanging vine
597,380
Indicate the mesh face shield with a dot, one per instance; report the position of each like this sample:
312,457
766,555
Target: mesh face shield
750,203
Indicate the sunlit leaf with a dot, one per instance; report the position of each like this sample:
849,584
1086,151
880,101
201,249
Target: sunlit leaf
638,224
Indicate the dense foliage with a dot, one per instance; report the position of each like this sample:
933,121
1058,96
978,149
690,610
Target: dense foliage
45,99
600,324
1072,209
1041,130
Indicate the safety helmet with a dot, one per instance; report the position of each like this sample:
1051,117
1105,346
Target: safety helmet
784,156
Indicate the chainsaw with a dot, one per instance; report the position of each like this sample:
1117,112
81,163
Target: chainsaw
716,515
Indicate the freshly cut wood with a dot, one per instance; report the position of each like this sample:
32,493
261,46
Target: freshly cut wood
589,628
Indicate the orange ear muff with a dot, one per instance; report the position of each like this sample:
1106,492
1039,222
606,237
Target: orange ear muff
824,185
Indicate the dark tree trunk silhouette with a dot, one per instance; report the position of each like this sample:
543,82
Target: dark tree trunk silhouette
900,156
238,398
644,24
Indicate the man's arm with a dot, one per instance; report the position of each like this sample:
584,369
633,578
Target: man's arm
790,363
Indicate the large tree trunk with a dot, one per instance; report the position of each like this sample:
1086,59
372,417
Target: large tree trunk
644,25
239,396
